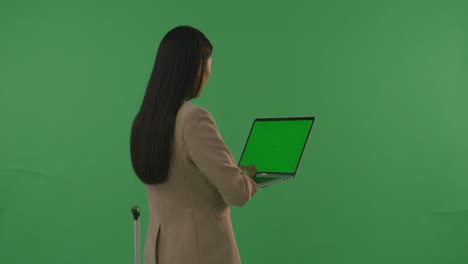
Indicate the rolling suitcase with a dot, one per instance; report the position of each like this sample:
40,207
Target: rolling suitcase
136,232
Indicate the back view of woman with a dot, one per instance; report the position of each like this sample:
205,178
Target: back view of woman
177,152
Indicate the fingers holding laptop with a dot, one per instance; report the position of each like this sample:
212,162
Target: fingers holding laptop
250,170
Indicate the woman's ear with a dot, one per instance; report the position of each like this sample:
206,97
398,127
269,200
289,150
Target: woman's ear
200,67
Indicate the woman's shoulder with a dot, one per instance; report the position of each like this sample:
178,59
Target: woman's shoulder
193,109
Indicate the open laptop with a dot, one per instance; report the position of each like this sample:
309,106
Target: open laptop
275,146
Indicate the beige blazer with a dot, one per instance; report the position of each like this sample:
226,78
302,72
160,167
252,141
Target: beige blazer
189,217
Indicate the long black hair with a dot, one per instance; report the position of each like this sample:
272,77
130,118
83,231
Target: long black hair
176,76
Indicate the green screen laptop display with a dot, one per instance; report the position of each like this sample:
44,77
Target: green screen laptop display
276,146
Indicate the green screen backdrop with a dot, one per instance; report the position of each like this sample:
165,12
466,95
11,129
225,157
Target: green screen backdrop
384,177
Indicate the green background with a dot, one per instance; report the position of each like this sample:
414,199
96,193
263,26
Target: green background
384,178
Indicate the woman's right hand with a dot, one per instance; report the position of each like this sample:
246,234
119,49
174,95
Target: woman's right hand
250,170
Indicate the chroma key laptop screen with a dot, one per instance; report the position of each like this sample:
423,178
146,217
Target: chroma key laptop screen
276,145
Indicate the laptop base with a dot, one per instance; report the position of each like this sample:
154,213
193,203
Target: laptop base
264,181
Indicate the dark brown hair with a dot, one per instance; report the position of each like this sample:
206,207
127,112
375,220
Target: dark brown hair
181,54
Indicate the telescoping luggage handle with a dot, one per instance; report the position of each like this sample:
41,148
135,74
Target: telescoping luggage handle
136,232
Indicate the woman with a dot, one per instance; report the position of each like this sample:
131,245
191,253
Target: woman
189,173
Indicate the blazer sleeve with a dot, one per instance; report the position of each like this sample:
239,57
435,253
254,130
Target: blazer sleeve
207,150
